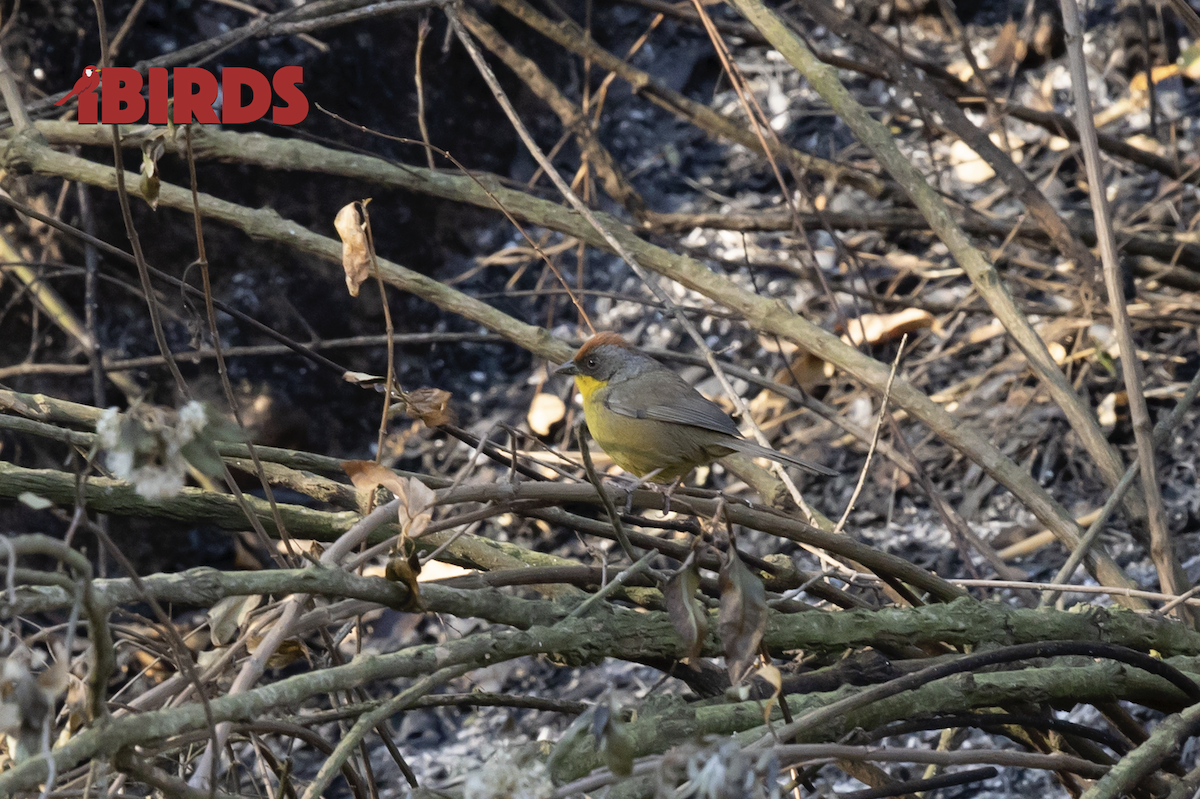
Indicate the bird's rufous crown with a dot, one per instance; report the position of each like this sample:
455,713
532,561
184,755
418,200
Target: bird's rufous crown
600,339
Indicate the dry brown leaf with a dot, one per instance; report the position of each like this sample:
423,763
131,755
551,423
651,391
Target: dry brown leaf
1106,411
875,328
743,616
431,406
773,676
545,411
1158,74
1189,61
985,332
808,370
766,405
368,475
687,615
416,507
1008,50
406,571
362,378
416,498
351,226
229,615
613,739
150,182
969,166
289,651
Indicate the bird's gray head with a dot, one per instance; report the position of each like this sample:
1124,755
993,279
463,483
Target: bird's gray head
607,357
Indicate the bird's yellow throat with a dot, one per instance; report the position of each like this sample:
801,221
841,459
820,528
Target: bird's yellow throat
587,385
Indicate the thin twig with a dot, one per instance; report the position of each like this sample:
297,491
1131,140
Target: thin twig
862,477
613,517
1162,433
1162,548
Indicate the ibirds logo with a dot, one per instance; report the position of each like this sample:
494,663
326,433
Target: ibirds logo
120,100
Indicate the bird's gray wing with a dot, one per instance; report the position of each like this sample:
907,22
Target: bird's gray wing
696,412
690,408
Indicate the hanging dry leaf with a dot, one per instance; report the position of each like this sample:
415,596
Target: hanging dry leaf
1008,50
743,616
289,651
1189,61
807,370
351,226
54,680
405,570
969,166
229,615
612,738
431,406
984,333
875,328
545,411
369,475
773,676
150,183
416,507
416,498
687,615
363,378
34,501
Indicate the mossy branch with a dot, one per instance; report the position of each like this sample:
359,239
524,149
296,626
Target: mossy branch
763,313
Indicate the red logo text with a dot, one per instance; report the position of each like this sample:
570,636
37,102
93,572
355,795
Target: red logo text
246,96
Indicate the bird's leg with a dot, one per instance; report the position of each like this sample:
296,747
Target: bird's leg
628,483
668,492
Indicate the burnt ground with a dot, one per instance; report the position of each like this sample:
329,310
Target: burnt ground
366,76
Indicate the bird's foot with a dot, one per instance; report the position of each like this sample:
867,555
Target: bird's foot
628,483
668,492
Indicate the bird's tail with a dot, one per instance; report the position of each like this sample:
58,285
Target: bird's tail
756,451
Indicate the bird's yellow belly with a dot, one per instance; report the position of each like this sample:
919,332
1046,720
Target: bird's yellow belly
640,446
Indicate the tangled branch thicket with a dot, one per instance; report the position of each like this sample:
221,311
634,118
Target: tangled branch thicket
950,252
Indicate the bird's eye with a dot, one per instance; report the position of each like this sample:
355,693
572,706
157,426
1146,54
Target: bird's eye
591,363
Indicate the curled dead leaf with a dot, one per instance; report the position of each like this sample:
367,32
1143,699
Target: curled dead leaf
743,616
431,406
368,476
687,615
416,507
351,226
289,651
773,676
229,615
545,411
875,328
806,370
405,570
363,378
150,183
416,498
613,739
969,166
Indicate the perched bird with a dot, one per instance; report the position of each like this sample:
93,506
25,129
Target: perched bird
649,420
90,80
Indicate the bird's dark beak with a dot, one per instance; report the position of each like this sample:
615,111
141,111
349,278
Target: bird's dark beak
567,370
